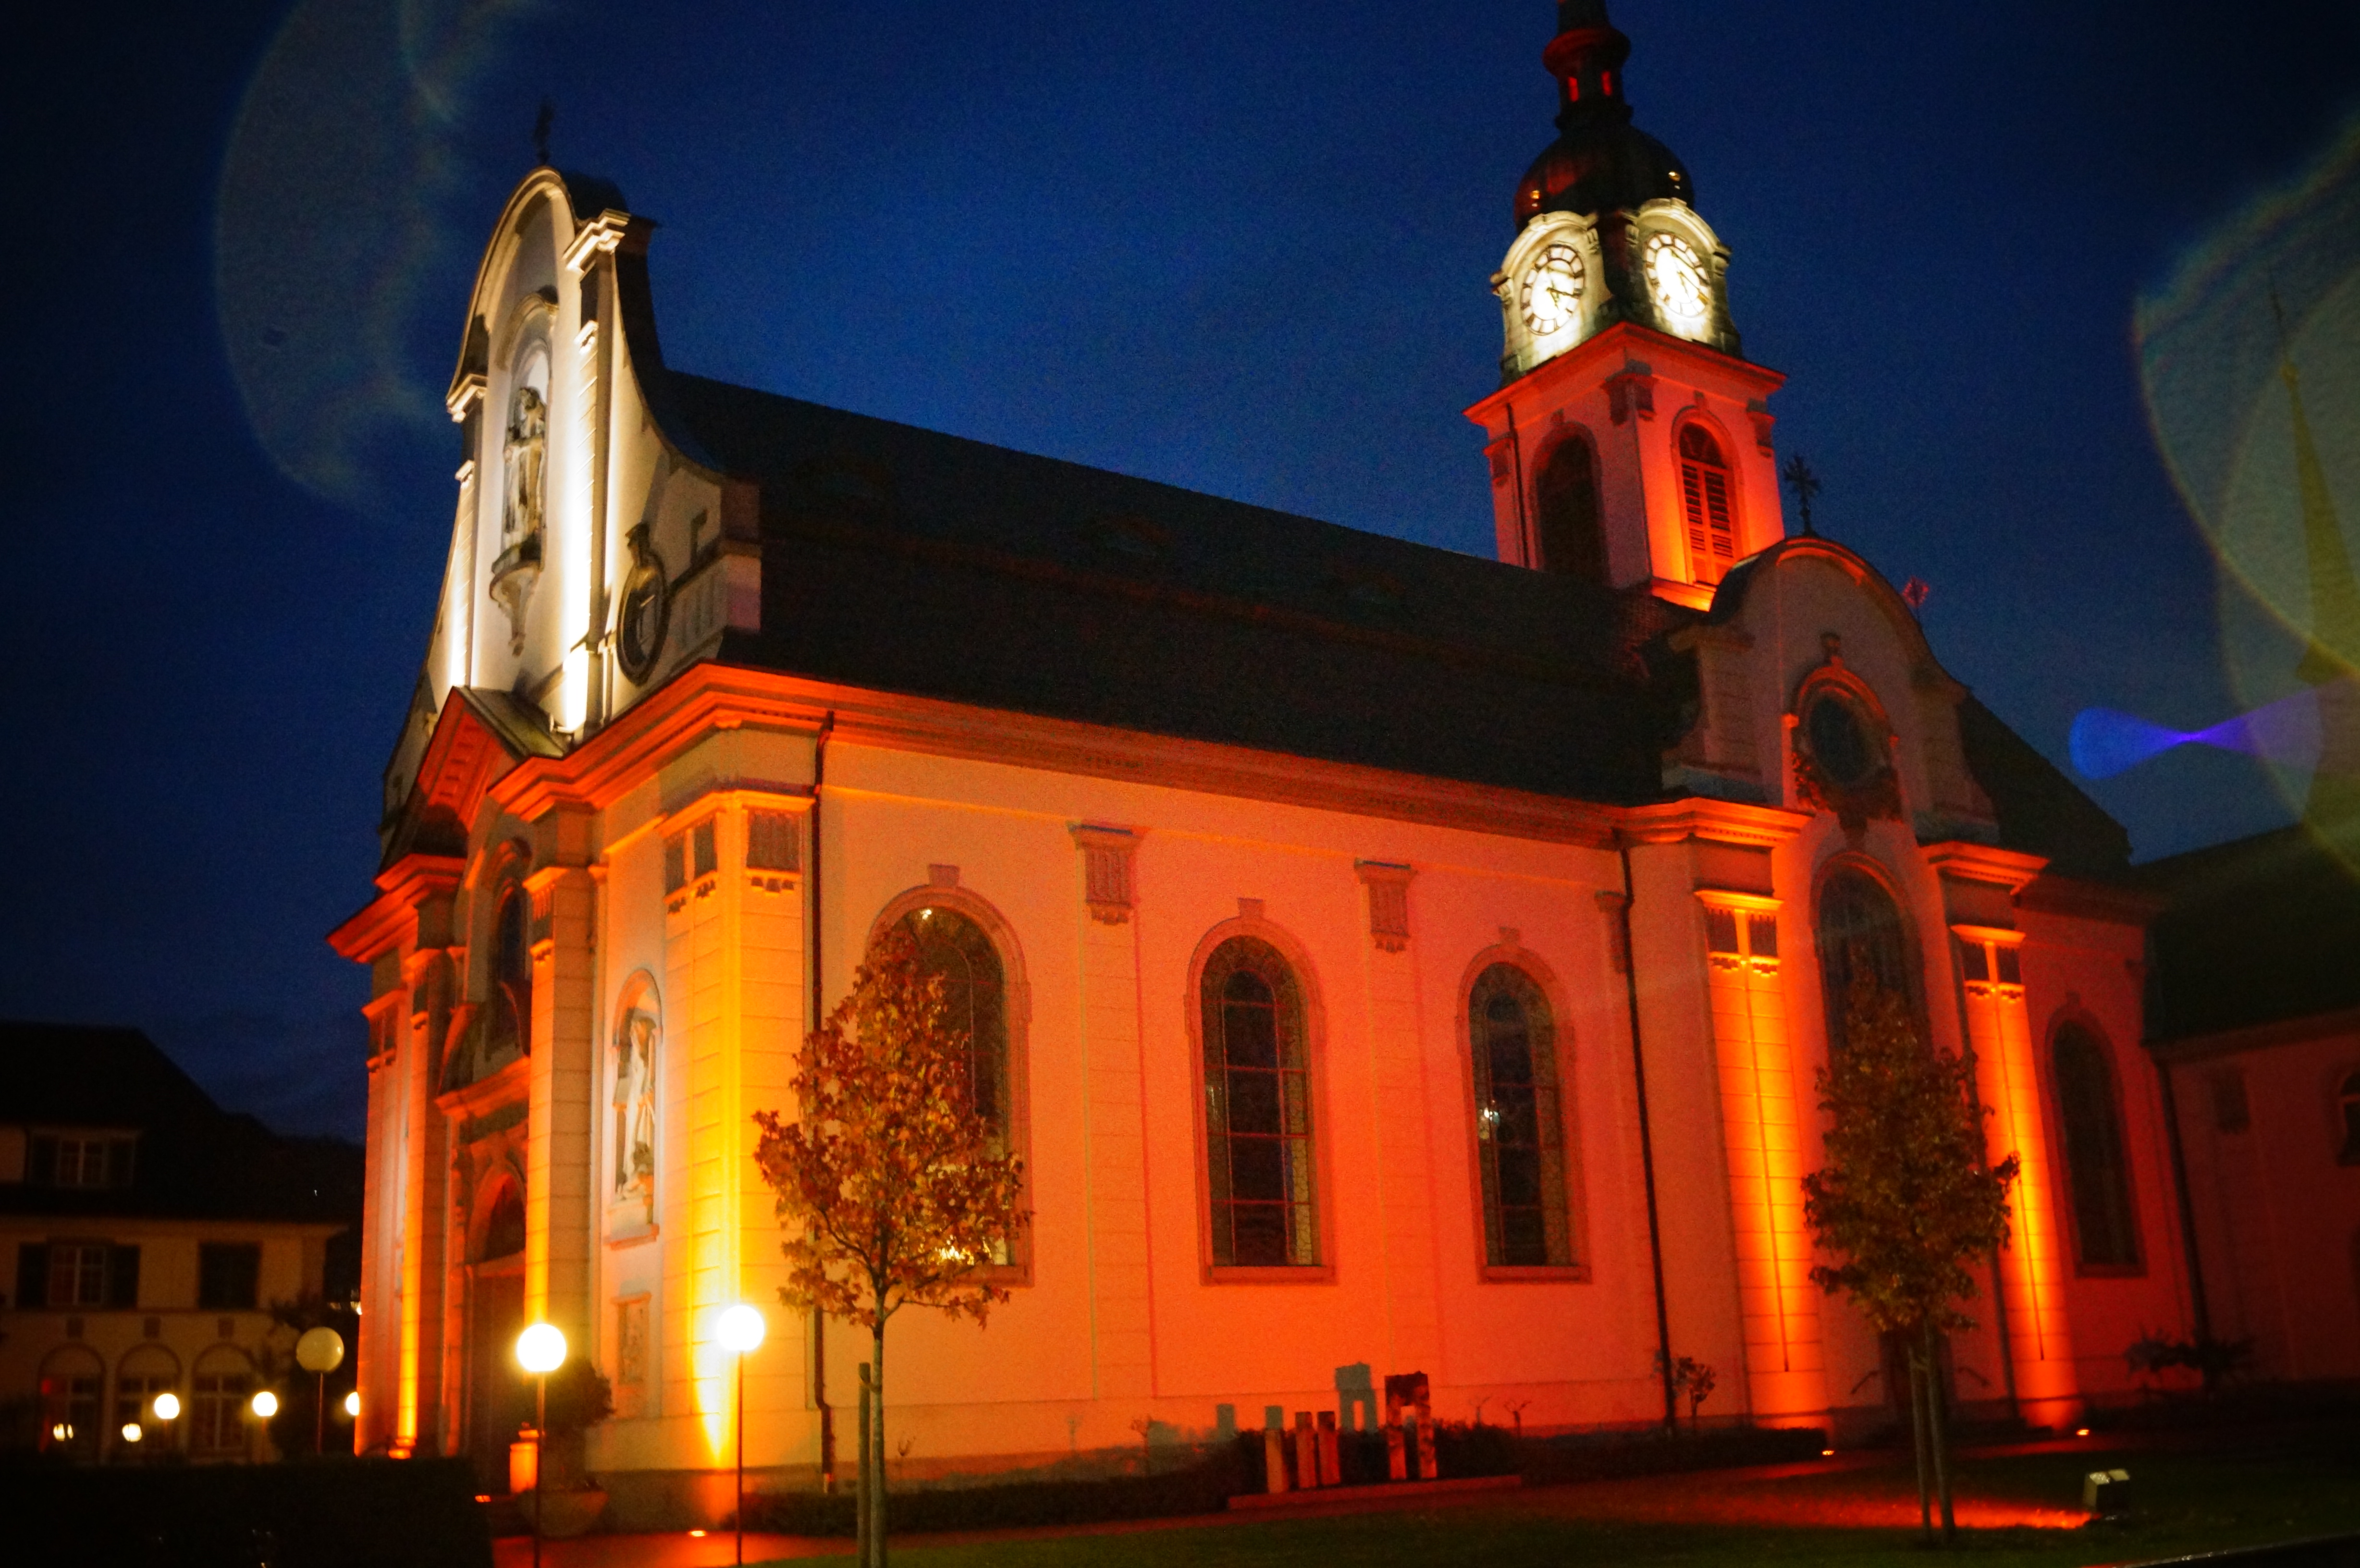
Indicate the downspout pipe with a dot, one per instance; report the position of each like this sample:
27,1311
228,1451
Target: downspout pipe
1648,1154
818,1011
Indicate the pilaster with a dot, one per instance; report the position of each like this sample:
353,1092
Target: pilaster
1397,1089
1122,1314
558,1163
418,1425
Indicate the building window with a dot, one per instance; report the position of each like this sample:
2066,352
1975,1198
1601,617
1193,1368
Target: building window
77,1274
504,1226
1257,1109
2347,1109
229,1276
511,996
71,1379
2094,1164
1704,496
1860,935
81,1159
218,1392
147,1371
1519,1120
975,993
1572,540
772,842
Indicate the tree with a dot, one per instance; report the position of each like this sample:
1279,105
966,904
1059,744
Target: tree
1905,1200
888,1186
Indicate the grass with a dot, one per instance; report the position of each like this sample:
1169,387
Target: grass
2188,1502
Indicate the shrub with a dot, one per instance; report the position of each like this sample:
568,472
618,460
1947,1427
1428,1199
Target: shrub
1205,1487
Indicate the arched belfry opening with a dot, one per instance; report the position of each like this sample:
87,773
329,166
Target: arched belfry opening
1567,519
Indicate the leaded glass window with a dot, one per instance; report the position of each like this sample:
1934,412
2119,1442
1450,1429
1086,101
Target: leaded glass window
975,991
2094,1164
1257,1109
1519,1120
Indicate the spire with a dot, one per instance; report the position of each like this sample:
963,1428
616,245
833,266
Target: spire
1601,161
1586,57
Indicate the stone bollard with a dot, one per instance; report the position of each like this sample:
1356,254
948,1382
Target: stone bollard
1306,1452
1274,1458
1396,1459
1331,1457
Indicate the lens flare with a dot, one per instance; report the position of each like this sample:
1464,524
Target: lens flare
2104,742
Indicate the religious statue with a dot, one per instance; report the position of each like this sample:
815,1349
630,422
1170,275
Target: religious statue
635,1112
527,462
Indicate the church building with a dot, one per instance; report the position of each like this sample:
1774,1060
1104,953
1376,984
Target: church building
1379,956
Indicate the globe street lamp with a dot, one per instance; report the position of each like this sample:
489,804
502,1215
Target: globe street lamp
540,1350
321,1351
168,1406
740,1332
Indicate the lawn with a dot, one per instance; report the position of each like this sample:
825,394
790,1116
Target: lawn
2188,1502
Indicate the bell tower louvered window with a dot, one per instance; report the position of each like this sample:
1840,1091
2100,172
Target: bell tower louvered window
1704,496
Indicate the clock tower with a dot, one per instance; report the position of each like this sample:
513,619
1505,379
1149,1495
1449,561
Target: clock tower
1630,439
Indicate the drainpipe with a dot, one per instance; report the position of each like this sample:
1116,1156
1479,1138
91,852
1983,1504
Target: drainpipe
819,1318
1648,1154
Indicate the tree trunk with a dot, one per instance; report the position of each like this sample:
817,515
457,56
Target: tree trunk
1918,1438
862,1485
1937,1421
877,1460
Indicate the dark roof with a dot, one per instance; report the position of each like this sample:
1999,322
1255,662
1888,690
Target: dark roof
194,1159
904,559
2256,931
2040,810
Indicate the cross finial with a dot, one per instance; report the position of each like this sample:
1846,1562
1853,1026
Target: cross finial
541,124
1805,485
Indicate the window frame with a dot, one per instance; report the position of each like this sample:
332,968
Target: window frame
1315,1043
1571,1186
1912,954
1016,1020
252,1247
1702,517
2101,1046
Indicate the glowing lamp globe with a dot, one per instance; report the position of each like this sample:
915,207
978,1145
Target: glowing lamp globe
741,1329
266,1404
541,1348
132,1432
352,1403
321,1350
168,1406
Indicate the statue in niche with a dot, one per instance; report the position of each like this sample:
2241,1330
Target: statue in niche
527,464
635,1113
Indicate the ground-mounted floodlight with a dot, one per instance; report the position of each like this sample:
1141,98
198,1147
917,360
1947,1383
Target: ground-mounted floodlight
741,1329
541,1350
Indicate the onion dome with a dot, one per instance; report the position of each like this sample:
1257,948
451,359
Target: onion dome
1599,161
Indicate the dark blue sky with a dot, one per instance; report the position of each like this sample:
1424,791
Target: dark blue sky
1241,247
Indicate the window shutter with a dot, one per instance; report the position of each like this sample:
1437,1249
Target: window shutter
122,1276
1692,496
32,1275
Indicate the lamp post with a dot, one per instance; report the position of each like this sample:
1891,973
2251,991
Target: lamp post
540,1350
319,1352
740,1332
265,1404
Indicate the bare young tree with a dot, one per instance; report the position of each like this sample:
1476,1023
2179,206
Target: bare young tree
887,1187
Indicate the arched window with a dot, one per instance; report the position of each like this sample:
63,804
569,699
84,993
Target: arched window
2093,1129
217,1396
1256,1109
503,1227
511,998
976,989
1704,494
146,1371
2348,1107
1519,1120
71,1378
1859,934
1573,543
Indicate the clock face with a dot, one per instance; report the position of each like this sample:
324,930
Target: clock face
1676,277
1552,290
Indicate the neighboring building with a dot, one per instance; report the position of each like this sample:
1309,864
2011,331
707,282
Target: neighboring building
2254,1004
147,1233
1379,956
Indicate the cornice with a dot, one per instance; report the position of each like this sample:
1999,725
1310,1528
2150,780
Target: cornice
512,1082
382,924
711,696
1717,822
1628,340
1965,861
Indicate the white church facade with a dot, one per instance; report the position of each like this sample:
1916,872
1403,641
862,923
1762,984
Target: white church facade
1381,955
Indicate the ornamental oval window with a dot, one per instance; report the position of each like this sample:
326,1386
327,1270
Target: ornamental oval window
1840,741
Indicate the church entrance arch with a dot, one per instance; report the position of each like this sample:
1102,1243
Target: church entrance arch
498,1403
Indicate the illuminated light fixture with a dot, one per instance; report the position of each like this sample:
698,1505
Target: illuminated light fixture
132,1431
2081,1432
353,1404
1827,1453
483,1497
60,1433
540,1349
266,1404
167,1407
741,1329
696,1535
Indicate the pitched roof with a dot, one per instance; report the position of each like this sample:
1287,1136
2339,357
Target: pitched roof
905,560
194,1159
2256,931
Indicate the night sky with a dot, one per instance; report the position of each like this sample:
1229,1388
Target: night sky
1241,247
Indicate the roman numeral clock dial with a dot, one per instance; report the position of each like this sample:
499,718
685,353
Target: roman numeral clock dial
1552,295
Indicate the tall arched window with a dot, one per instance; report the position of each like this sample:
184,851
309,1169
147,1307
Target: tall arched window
1572,541
71,1378
1519,1120
218,1392
511,996
503,1227
1859,934
2093,1129
2347,1108
976,989
1256,1109
146,1371
1704,494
